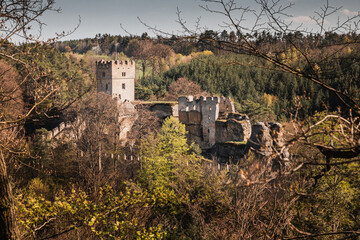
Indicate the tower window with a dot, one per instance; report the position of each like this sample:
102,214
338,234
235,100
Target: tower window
123,74
123,86
103,74
106,87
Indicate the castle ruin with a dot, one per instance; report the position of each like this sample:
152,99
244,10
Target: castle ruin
116,78
201,117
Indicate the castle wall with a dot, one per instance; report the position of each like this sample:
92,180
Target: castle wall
104,76
192,121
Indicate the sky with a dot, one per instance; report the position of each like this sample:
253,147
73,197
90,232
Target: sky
106,16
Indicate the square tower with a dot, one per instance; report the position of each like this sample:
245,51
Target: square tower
116,78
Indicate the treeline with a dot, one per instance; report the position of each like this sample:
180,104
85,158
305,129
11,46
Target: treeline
253,84
109,44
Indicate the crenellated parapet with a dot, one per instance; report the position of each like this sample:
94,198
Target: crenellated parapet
190,104
59,130
102,64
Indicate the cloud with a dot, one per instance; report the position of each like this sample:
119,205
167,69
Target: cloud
302,19
349,13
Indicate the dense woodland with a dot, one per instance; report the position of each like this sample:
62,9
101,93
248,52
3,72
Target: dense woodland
157,185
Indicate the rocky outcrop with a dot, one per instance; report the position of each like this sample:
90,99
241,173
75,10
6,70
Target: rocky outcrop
236,128
281,154
162,110
260,139
229,152
268,142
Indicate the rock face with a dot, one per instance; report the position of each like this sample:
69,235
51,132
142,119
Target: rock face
276,134
267,140
162,110
260,139
282,156
229,152
236,128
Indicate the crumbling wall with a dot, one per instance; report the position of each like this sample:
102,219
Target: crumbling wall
199,115
192,121
162,110
226,105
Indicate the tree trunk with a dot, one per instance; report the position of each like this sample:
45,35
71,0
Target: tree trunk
8,229
143,68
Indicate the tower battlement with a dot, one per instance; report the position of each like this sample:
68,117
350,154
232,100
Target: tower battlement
107,64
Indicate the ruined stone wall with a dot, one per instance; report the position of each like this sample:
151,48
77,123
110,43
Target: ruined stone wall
226,105
192,121
116,78
73,130
199,116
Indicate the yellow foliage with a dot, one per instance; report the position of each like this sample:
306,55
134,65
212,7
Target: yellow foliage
269,99
317,68
349,50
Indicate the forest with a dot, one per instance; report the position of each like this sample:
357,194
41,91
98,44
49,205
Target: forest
156,184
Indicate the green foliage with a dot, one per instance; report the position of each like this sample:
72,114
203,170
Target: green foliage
329,129
142,92
257,112
164,155
175,178
109,215
116,217
282,93
34,210
58,70
332,204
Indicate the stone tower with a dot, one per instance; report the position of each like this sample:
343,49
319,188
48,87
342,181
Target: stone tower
116,78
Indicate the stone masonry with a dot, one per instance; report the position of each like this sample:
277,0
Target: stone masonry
116,78
200,115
